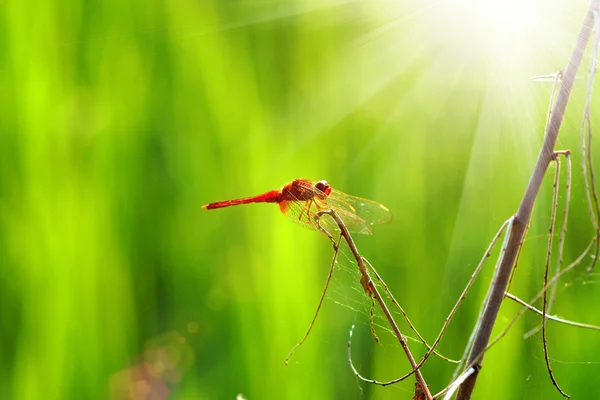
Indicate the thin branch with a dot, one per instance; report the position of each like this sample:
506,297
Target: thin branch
586,121
336,250
504,226
555,278
546,270
512,273
372,320
469,345
455,385
561,240
565,220
584,161
552,317
499,284
371,289
557,78
570,267
405,315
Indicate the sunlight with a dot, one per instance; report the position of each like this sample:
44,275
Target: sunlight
503,28
508,19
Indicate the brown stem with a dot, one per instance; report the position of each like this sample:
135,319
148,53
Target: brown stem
561,240
546,271
505,226
370,288
499,284
552,281
336,247
586,121
552,317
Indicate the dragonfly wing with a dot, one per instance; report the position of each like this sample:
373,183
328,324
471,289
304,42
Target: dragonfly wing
353,222
296,211
304,212
359,214
298,203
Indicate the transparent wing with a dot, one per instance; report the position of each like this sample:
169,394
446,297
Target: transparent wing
303,212
304,206
356,213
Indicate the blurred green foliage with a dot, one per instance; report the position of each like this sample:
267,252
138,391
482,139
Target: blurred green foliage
119,120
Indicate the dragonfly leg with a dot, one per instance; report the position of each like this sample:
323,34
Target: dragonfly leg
317,220
312,218
306,208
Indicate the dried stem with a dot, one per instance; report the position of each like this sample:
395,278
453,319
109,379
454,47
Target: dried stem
501,278
546,270
469,346
552,281
552,317
371,289
565,220
555,278
561,239
409,322
587,122
456,384
462,296
336,247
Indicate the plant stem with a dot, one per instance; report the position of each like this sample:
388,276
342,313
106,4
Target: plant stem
499,284
371,289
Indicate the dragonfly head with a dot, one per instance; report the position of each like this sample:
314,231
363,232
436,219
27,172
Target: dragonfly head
323,187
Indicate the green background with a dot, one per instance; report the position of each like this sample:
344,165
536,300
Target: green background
119,120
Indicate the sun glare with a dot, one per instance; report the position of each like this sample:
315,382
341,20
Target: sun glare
505,23
504,18
505,27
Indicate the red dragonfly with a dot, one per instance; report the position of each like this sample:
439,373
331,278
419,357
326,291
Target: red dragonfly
301,199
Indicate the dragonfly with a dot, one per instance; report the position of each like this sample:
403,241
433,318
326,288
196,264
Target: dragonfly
301,200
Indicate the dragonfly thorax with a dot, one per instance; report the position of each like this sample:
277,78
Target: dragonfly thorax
305,190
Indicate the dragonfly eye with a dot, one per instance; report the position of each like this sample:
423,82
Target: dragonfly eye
324,187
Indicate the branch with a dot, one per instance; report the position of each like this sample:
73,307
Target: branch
499,284
551,317
371,289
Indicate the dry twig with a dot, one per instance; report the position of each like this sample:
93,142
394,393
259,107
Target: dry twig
371,289
499,284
